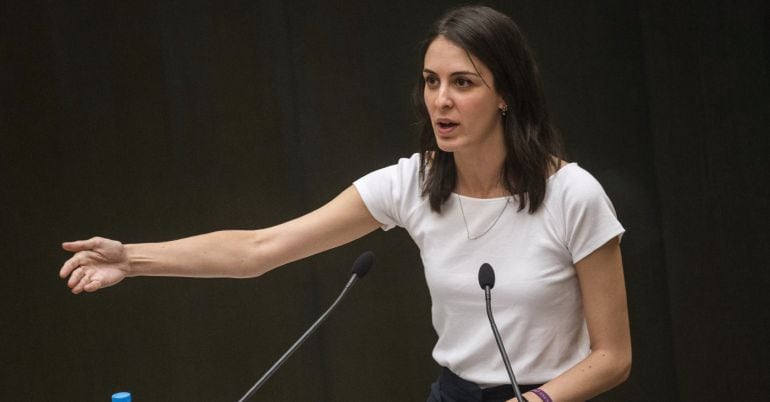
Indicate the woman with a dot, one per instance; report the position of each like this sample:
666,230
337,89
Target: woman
489,185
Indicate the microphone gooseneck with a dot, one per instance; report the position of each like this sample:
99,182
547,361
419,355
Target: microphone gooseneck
361,267
487,282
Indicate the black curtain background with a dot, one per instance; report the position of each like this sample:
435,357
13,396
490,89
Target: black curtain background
147,121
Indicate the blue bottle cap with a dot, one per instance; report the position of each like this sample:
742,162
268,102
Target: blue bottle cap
121,397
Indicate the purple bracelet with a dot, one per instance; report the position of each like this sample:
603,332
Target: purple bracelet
542,395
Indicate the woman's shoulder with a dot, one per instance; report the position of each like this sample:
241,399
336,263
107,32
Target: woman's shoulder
573,181
412,160
407,168
403,172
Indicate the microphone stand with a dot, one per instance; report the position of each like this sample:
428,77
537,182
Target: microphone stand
500,346
360,267
487,282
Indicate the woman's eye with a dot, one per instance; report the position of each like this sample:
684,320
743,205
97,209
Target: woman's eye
462,82
431,81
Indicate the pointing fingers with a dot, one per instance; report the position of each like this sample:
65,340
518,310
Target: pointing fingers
81,245
96,263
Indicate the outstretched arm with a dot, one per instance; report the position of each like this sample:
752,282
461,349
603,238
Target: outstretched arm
99,263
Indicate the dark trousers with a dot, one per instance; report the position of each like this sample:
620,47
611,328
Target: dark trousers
451,388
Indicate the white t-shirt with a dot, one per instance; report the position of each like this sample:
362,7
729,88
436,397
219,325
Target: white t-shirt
536,298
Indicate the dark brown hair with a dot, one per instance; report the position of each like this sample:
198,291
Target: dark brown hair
533,146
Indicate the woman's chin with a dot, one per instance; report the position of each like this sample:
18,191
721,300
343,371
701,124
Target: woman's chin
446,145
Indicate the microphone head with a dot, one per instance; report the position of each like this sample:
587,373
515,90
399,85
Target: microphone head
363,264
486,276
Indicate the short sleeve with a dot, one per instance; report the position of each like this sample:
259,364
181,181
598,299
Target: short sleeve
384,191
589,217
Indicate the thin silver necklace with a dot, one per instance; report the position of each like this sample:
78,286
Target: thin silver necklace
465,220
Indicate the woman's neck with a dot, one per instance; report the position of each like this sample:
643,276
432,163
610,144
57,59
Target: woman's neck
479,175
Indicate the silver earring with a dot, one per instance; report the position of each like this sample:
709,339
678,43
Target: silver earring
504,110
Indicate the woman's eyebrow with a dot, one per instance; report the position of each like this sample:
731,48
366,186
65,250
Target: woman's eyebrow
429,71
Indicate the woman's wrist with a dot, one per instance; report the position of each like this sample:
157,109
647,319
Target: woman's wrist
528,397
538,395
132,260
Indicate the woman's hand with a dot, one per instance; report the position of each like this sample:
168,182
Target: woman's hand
97,263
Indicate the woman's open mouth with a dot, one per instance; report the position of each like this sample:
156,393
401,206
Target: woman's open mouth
446,127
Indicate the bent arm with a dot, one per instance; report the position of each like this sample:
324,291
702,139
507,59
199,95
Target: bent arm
232,253
604,303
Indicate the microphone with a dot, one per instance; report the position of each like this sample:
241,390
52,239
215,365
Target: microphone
361,267
486,276
487,282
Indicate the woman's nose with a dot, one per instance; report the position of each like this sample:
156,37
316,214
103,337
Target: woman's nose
443,98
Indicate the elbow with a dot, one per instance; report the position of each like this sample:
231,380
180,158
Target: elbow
258,259
623,367
250,254
617,367
247,273
625,370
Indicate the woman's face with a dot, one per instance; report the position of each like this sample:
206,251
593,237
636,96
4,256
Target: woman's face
460,97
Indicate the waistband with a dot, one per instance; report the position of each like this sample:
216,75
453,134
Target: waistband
451,381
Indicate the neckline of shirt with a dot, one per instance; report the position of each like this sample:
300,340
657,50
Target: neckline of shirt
556,173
